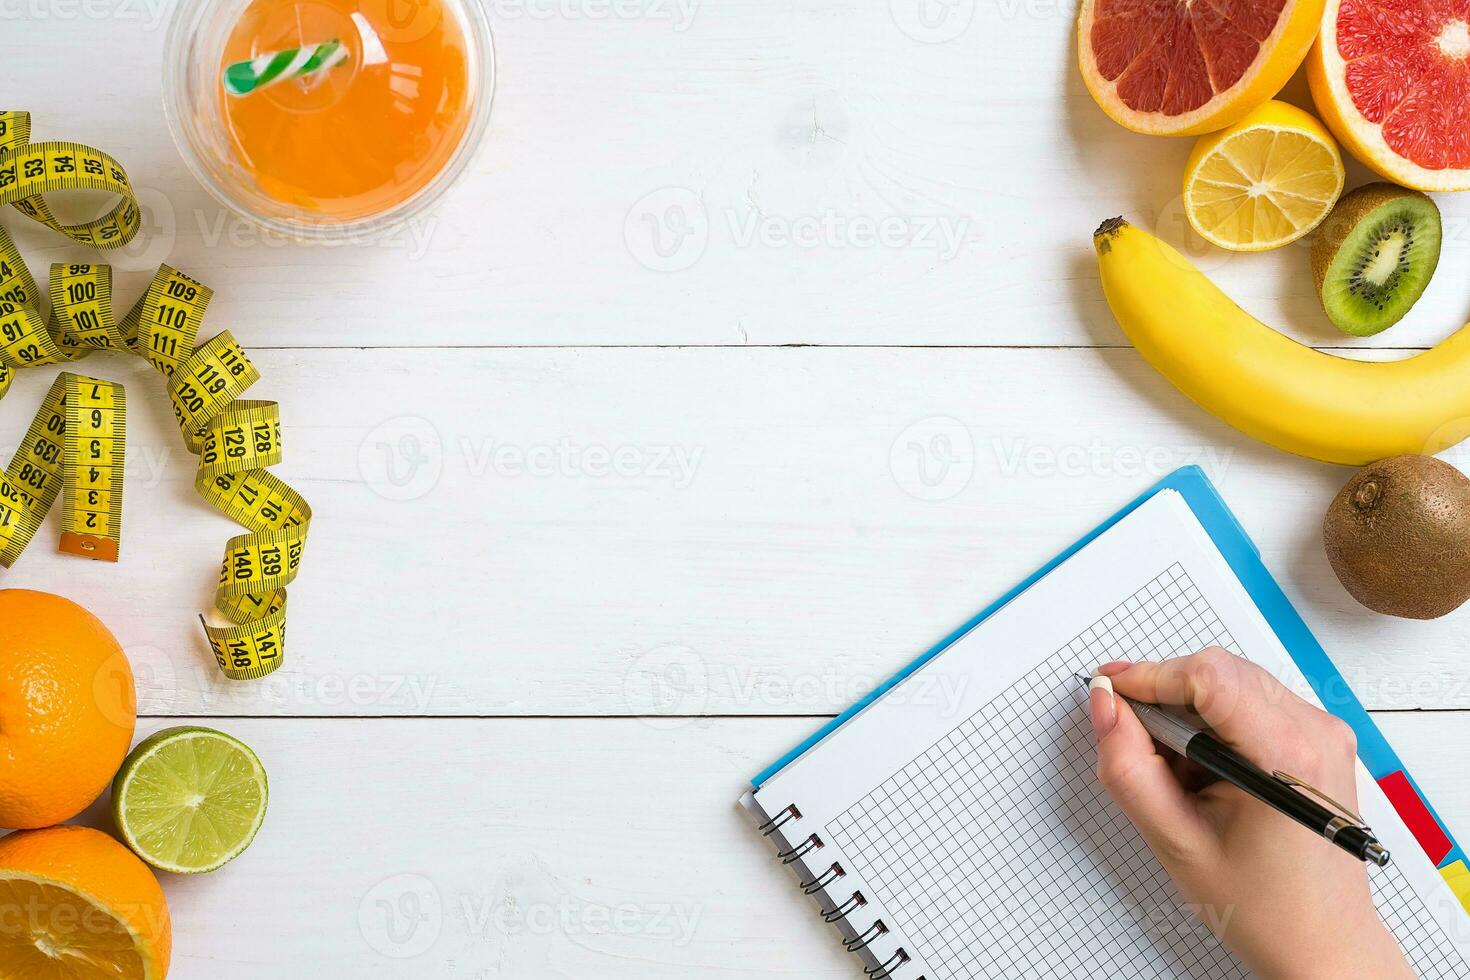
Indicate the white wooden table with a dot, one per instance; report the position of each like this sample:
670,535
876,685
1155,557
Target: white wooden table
760,347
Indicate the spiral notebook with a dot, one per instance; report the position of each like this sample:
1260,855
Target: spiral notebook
951,825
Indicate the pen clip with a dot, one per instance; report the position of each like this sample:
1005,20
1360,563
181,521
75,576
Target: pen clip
1304,786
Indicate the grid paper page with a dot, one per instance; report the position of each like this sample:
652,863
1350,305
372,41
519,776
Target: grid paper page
943,842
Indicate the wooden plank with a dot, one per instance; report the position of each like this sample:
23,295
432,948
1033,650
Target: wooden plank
743,172
682,531
468,849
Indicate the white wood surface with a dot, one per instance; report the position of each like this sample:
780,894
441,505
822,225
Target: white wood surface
769,550
606,848
844,182
562,480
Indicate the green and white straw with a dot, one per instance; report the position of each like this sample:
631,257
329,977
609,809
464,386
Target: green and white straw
244,77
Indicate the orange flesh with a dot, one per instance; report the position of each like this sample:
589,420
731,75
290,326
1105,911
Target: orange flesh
1407,71
1171,56
362,137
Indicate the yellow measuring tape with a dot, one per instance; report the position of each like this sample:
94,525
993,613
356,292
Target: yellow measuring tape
75,446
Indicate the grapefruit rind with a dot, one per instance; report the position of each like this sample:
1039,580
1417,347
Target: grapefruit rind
1326,76
1280,55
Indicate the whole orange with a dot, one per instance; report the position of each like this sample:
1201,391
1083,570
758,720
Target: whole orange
83,906
67,708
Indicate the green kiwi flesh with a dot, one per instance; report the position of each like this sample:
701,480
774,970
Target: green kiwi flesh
1374,255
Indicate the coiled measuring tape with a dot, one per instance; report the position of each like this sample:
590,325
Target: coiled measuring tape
75,445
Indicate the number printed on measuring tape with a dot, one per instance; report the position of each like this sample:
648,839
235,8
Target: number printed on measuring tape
95,416
75,448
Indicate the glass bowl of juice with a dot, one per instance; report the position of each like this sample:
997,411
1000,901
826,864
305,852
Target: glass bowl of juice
328,119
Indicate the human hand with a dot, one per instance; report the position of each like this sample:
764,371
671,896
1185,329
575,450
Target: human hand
1287,902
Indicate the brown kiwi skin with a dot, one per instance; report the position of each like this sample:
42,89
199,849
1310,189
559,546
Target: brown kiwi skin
1345,215
1398,537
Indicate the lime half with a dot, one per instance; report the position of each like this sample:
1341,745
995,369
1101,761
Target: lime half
189,799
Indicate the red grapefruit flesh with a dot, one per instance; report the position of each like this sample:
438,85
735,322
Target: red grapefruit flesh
1178,67
1392,80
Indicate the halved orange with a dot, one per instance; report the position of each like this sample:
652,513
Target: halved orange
79,906
1185,67
1391,79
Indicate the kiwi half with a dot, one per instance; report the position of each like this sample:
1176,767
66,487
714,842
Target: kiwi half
1374,255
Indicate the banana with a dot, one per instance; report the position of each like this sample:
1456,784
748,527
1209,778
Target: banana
1267,385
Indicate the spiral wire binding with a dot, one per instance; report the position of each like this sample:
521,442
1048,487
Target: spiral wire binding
885,971
812,843
780,820
865,939
839,912
822,881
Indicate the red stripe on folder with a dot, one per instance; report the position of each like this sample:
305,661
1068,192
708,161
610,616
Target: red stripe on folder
1416,816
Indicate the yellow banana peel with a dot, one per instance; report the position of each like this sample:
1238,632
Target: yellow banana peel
1267,385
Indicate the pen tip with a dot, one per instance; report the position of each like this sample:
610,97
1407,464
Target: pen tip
1082,679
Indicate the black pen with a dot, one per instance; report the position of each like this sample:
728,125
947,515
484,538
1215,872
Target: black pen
1282,792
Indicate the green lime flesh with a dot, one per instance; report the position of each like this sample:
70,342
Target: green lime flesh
189,799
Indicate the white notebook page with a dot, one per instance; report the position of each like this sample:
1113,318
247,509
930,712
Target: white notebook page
964,806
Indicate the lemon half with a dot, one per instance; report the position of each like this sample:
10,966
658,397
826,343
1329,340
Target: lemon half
1263,182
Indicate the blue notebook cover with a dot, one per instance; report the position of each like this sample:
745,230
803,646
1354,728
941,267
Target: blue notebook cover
1245,559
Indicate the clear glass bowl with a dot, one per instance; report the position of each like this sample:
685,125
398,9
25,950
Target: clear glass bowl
193,55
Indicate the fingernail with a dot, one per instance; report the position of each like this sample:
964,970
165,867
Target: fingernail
1102,706
1113,668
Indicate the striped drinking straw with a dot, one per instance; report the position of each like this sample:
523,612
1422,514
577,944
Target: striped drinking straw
244,77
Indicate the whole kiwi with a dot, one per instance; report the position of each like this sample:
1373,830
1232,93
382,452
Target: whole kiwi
1398,537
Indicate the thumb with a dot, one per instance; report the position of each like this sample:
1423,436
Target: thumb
1143,785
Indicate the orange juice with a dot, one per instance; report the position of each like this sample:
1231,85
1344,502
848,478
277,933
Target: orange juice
365,136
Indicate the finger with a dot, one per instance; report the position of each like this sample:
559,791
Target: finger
1191,775
1140,780
1240,702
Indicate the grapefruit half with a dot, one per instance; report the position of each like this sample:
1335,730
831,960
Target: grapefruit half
1184,67
1391,79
